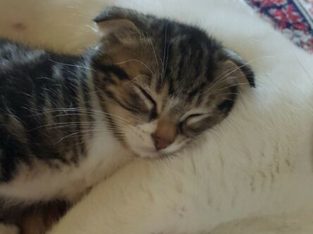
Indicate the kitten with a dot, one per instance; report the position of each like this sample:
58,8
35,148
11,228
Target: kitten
150,86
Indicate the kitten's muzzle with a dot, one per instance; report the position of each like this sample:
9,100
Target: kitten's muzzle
164,135
160,142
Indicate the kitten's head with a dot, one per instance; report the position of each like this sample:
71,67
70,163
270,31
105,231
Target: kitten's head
168,82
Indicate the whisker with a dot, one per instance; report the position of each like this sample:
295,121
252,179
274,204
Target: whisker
73,112
73,65
154,52
84,132
222,77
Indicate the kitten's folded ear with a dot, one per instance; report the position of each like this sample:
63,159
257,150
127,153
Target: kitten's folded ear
236,65
116,20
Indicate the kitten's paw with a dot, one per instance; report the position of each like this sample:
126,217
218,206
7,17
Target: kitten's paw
8,229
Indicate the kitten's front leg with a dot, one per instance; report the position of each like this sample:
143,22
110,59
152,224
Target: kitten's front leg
40,218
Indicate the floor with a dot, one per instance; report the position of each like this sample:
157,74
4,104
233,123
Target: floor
294,18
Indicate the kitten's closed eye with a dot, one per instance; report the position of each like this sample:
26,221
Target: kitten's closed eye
194,118
194,123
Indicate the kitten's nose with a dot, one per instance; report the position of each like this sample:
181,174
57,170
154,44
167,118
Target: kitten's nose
160,142
164,134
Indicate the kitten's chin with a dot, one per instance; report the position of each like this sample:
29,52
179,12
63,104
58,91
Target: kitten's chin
152,154
148,154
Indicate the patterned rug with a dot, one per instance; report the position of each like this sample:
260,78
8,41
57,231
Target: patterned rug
293,17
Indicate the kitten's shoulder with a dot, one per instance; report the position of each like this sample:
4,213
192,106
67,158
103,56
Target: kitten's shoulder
13,52
7,45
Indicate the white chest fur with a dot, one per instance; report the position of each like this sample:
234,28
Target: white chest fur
42,182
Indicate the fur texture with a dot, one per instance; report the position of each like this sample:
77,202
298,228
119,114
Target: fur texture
256,164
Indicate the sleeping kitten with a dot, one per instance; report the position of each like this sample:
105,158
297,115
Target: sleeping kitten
150,86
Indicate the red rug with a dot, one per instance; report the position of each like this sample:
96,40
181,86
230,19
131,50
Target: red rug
293,17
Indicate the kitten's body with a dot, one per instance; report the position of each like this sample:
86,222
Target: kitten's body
47,151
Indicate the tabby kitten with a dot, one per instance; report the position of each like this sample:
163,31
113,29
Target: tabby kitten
150,86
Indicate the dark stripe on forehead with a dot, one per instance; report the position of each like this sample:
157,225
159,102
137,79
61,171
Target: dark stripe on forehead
198,63
194,81
209,70
210,67
182,51
198,92
166,55
168,69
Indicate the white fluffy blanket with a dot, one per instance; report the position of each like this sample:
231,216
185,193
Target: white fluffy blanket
254,170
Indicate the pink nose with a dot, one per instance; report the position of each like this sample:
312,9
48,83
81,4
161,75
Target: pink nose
160,142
